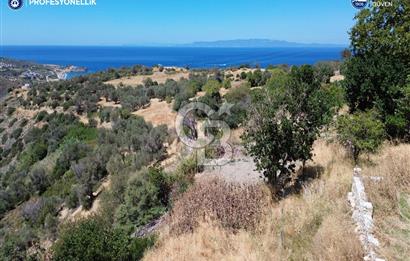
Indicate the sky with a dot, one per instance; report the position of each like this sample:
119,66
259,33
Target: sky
148,22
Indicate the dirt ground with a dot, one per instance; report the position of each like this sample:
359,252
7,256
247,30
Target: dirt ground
159,112
157,76
104,103
241,169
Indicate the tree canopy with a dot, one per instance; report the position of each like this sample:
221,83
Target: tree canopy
285,120
376,73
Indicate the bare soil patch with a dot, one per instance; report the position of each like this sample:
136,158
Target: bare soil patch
157,76
159,112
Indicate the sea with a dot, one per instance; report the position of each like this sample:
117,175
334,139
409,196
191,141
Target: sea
98,58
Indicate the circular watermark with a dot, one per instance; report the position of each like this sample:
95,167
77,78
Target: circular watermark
15,4
195,134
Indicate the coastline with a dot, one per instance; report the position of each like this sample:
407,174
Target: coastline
100,58
62,72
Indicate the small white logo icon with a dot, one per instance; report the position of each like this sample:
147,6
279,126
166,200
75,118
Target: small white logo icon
359,4
15,4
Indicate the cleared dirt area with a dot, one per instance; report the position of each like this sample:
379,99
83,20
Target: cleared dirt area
104,103
157,76
241,169
159,112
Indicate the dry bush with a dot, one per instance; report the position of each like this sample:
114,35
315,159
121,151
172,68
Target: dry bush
233,206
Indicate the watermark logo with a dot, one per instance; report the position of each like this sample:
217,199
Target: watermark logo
15,4
359,4
195,132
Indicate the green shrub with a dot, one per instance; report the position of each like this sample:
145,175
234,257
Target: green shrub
361,132
323,72
81,133
33,153
146,198
93,239
23,123
227,84
41,116
4,138
11,123
240,99
211,87
139,245
16,133
39,180
16,244
62,187
184,175
10,110
71,151
72,199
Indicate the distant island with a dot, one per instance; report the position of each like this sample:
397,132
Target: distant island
243,43
257,43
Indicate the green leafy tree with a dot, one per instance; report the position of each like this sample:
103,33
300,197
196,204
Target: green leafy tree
380,63
284,122
361,132
398,124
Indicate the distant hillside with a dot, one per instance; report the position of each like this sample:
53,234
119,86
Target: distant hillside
259,43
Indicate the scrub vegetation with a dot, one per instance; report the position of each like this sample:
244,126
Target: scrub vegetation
83,178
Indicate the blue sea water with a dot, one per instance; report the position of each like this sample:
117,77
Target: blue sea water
101,58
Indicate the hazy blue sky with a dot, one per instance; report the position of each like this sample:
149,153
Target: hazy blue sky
117,22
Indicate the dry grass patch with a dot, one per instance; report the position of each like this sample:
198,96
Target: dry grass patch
231,205
391,200
312,225
157,113
336,240
208,242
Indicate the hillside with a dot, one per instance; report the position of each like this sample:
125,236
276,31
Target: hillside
83,157
305,162
40,135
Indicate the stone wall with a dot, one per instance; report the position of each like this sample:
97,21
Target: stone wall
363,216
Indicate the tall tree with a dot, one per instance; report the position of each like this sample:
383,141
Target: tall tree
380,64
285,121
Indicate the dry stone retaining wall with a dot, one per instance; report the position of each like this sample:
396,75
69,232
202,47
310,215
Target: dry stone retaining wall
363,216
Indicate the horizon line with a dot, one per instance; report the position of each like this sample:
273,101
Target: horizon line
170,45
